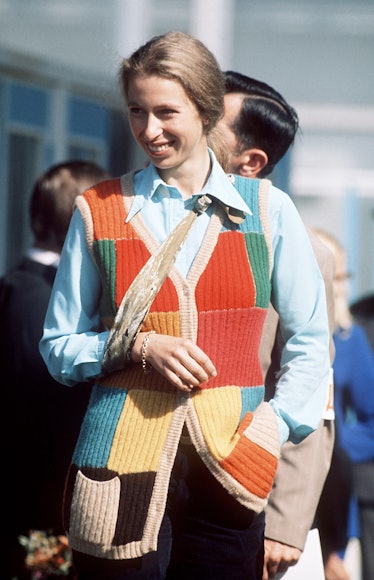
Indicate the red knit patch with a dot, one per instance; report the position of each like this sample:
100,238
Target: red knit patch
236,360
167,299
126,269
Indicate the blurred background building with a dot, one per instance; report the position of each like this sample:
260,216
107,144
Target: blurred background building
59,98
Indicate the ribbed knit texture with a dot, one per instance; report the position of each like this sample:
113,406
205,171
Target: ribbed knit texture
118,482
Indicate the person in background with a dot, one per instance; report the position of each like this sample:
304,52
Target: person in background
354,405
39,418
363,312
259,127
178,449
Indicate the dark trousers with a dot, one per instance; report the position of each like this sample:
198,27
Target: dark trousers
205,534
364,486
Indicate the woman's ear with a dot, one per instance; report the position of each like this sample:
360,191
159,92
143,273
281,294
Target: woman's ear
252,161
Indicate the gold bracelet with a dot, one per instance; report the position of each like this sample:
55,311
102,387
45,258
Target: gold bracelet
144,351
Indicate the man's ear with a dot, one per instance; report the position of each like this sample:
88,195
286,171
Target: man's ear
252,161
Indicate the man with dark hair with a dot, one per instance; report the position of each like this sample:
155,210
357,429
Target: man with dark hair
39,418
260,121
259,127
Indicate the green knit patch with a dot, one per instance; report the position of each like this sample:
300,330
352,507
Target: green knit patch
105,256
259,259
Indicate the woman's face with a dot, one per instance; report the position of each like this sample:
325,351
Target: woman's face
165,122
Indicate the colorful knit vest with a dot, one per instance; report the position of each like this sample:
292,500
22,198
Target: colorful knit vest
118,482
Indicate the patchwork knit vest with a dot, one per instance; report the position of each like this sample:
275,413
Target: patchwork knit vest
118,481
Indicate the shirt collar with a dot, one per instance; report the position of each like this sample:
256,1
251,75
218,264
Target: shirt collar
223,187
147,181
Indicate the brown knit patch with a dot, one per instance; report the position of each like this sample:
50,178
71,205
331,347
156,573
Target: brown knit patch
136,492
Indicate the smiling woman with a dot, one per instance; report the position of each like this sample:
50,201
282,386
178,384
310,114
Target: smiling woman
159,112
173,467
190,88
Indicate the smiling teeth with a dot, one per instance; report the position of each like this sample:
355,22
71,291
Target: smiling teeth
157,148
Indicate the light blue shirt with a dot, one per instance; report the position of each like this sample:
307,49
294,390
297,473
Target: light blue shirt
73,349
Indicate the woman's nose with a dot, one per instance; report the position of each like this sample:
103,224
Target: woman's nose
152,128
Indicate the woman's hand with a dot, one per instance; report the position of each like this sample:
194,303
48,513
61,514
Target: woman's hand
179,360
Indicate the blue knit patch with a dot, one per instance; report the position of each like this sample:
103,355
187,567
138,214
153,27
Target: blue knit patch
99,426
252,397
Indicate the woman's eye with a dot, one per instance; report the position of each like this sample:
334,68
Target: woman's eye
135,111
167,113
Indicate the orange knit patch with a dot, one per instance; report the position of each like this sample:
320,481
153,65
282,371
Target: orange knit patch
163,323
245,422
252,466
228,280
112,215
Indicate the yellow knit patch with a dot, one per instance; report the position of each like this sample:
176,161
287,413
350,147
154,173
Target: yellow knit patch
163,323
219,429
141,432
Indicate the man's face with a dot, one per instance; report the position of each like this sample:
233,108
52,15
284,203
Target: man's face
233,103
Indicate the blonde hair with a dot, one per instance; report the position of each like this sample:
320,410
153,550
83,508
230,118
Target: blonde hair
180,57
343,317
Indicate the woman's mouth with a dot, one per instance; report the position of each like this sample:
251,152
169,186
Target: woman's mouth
158,148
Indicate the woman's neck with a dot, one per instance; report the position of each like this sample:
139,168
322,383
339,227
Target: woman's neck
190,177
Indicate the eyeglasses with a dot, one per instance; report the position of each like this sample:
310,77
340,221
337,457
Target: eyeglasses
342,277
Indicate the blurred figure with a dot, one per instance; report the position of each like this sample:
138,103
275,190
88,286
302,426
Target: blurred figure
259,127
354,408
39,418
333,515
363,312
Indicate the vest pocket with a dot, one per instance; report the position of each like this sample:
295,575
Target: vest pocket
94,509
